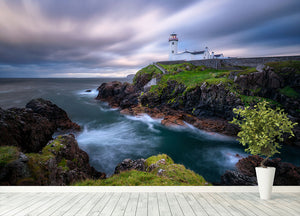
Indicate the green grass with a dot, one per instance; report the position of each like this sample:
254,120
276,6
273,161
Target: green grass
190,78
289,92
173,175
155,158
8,154
247,71
151,70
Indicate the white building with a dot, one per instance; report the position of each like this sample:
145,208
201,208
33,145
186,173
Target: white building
189,55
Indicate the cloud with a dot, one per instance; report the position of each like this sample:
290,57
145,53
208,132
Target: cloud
65,38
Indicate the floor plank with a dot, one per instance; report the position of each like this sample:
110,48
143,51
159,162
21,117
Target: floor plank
198,209
96,197
148,203
142,205
184,205
21,202
68,198
227,205
77,205
207,206
153,205
97,209
174,205
121,205
132,204
110,206
163,205
57,199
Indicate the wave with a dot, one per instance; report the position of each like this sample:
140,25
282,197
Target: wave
6,91
207,135
107,109
109,145
83,93
145,118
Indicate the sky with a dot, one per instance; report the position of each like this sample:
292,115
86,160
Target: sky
114,38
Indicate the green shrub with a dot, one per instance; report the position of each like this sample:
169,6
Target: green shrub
262,129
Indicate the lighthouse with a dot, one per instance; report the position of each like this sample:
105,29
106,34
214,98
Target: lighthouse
173,44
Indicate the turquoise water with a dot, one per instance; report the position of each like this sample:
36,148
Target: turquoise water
109,137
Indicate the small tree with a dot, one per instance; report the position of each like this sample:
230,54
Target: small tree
262,129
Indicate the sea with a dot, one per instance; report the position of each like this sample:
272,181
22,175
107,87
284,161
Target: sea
110,137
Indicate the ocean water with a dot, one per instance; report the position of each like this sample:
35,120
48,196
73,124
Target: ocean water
109,137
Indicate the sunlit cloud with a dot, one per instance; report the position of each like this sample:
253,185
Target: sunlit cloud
53,38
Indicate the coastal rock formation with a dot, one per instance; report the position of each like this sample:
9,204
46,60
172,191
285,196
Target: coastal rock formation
207,104
32,127
286,173
118,94
61,162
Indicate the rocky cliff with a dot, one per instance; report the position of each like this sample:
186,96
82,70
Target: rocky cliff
205,97
29,155
32,127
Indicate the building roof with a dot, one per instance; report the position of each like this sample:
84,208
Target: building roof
195,52
218,55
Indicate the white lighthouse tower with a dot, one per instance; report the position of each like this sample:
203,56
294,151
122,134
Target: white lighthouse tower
173,44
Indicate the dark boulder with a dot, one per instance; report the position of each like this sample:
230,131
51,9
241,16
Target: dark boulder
129,164
32,127
231,177
286,173
25,129
11,173
53,113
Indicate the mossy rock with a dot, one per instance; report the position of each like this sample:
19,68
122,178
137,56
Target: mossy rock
163,174
150,70
38,163
8,154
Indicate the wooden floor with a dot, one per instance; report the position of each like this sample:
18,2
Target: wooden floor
147,203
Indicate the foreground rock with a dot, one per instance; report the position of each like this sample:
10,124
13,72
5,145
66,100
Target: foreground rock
156,170
286,173
61,162
129,164
32,127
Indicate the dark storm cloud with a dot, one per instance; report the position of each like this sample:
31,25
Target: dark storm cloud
54,37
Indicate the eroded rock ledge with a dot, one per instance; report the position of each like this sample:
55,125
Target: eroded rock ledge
29,155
